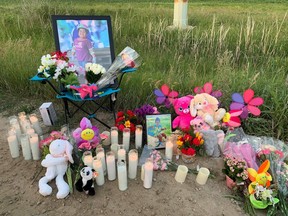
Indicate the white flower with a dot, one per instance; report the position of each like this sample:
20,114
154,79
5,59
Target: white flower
61,64
97,68
46,60
87,66
72,68
57,73
41,69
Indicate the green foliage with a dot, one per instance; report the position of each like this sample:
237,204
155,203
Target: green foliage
92,78
237,45
70,79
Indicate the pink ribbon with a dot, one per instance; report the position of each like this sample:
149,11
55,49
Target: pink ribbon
85,90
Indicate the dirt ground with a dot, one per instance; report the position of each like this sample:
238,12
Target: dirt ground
19,191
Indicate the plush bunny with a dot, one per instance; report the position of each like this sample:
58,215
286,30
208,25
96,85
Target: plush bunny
198,124
206,106
56,163
181,107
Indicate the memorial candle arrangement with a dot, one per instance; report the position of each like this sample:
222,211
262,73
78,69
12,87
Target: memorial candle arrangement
114,135
169,150
98,167
13,145
87,159
121,154
35,124
100,154
122,175
111,167
25,145
114,149
15,125
138,136
126,139
34,145
133,163
148,173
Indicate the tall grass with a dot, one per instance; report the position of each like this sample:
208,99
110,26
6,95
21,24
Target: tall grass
235,48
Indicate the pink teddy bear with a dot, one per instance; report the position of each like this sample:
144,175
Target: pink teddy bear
182,109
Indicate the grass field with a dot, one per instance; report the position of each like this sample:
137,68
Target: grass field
235,44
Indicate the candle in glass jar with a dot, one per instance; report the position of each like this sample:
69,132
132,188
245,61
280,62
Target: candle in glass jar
100,154
126,139
169,150
107,141
122,175
148,173
34,145
114,149
30,131
142,172
111,167
15,125
202,176
98,167
87,159
133,163
121,153
138,136
35,124
181,173
114,135
13,146
25,145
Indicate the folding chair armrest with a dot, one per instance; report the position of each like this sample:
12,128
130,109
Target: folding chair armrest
44,80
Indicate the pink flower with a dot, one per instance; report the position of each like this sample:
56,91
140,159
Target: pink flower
280,153
266,151
103,136
85,145
164,166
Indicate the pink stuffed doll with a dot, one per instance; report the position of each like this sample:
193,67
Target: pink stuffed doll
199,124
181,107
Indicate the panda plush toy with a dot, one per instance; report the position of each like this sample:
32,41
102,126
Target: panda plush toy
85,183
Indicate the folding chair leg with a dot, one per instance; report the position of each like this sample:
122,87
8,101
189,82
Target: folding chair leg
66,110
112,105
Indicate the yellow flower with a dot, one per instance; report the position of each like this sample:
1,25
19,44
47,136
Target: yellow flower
179,143
226,117
127,124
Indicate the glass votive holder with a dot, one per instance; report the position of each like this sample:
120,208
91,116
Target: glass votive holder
133,163
87,158
100,154
111,167
121,153
126,139
114,135
138,136
148,173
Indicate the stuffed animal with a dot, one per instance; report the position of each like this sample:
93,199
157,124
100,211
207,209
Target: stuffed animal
181,107
212,141
85,183
206,106
56,163
198,124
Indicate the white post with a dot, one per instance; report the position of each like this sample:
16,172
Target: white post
180,13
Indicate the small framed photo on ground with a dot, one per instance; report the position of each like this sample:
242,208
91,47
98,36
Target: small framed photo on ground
86,39
158,129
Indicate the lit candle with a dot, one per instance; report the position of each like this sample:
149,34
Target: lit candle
138,136
142,172
169,150
133,163
114,149
26,150
35,124
13,146
122,175
148,173
181,173
15,125
121,153
34,145
100,154
202,176
98,167
114,135
126,139
88,159
111,167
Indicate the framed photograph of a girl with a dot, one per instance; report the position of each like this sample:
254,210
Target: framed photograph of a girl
85,39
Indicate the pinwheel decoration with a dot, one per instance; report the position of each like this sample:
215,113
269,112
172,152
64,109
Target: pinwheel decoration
231,118
208,88
247,103
165,96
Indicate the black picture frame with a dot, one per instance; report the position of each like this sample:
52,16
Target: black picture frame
96,47
158,133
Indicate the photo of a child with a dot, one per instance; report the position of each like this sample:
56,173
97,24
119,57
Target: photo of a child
158,129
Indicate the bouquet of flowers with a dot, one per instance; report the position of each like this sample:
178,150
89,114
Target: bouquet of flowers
94,72
190,143
144,110
126,120
45,143
263,197
235,168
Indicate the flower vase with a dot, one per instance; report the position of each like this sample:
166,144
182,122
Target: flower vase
230,183
188,158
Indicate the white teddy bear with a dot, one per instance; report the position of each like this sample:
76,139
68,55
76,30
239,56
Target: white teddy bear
56,163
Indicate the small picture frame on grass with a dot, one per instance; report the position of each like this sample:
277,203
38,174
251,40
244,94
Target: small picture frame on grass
158,128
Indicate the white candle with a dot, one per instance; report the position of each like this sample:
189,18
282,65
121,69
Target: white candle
35,124
180,13
34,145
114,149
13,146
15,124
169,150
114,135
126,139
111,167
98,167
26,150
142,172
202,176
107,141
25,124
30,131
181,173
133,163
148,173
138,136
121,154
88,159
100,154
122,175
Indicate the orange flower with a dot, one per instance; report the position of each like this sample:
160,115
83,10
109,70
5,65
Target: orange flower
127,124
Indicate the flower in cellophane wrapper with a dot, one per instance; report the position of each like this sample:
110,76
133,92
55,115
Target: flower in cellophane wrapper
128,58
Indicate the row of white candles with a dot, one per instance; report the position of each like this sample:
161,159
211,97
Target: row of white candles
126,137
27,134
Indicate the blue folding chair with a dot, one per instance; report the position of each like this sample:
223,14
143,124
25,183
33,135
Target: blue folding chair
108,94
